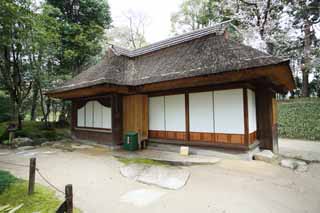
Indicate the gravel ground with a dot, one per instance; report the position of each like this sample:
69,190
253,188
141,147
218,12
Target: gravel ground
228,186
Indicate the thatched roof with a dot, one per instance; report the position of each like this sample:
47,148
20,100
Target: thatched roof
202,52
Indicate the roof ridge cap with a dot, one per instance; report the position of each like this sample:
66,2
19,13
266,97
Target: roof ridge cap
170,41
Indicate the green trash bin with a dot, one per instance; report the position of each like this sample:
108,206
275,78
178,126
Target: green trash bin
131,141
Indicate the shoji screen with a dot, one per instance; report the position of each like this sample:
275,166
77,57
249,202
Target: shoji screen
156,113
97,110
252,111
228,111
89,114
201,112
95,115
80,117
106,117
175,113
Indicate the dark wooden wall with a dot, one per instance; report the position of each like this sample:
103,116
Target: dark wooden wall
267,131
116,118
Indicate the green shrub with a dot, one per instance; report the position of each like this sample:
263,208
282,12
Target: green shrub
5,180
300,118
5,107
36,131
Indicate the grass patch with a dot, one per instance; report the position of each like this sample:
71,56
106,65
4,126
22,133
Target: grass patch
43,199
6,179
35,130
300,118
141,161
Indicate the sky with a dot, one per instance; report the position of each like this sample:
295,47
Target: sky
158,12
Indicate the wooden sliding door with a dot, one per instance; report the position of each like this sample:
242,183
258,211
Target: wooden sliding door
167,117
201,116
216,117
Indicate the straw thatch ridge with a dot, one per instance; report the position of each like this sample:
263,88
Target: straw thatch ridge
202,52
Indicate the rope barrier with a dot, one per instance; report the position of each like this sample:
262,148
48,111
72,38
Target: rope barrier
48,182
15,164
38,171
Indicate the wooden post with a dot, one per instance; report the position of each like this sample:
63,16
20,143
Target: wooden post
32,175
186,95
246,115
11,136
69,198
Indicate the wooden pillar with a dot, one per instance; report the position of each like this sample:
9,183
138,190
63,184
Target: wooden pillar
73,114
187,116
245,116
116,104
267,131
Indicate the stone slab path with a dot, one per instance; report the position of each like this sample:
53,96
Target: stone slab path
167,177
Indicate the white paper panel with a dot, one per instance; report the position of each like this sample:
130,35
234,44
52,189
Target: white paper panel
89,114
201,112
175,113
228,111
97,113
80,117
106,117
252,111
156,113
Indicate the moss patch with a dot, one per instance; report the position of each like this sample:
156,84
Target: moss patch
43,200
141,161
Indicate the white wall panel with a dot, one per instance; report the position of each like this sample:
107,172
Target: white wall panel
156,113
89,114
106,117
175,113
201,112
97,114
80,117
228,111
252,111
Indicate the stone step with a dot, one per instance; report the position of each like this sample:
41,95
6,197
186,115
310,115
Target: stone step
207,151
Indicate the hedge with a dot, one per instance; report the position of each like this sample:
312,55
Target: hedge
299,118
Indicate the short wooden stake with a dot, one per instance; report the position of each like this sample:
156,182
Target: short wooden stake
11,137
32,175
69,198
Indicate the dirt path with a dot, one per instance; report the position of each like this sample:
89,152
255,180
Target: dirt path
228,186
306,150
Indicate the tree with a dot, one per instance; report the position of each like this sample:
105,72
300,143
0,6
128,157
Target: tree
196,14
15,25
306,14
82,29
131,34
46,41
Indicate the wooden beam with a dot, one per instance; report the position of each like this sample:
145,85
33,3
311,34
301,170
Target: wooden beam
279,75
96,90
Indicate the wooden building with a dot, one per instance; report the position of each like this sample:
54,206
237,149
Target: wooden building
200,88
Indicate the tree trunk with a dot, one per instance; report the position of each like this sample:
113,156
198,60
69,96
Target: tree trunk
306,59
45,108
34,103
19,114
